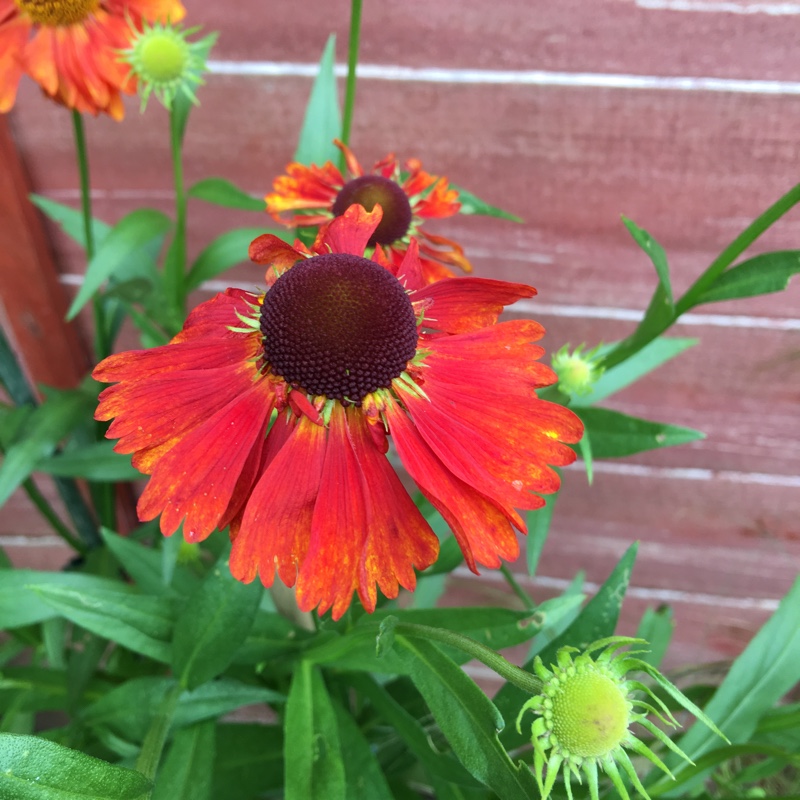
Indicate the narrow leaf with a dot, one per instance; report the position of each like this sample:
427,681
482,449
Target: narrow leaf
225,252
249,761
322,122
94,462
70,220
655,252
470,204
223,193
614,434
656,628
313,756
38,769
764,274
132,234
215,622
186,773
538,528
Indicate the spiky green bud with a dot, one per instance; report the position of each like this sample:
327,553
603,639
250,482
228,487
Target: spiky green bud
577,371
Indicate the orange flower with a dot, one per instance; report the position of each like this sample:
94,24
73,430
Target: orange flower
407,199
273,413
74,51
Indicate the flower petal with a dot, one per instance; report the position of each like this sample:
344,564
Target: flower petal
350,232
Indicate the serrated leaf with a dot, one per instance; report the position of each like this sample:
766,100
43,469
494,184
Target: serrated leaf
650,357
466,717
470,204
96,461
763,274
215,622
38,769
313,757
44,428
139,622
322,122
655,252
614,434
70,220
223,193
225,252
134,233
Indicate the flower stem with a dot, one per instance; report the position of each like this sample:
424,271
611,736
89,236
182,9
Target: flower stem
175,264
153,745
352,62
526,681
101,344
516,588
46,510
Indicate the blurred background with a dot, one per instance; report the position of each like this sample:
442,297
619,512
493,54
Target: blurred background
683,116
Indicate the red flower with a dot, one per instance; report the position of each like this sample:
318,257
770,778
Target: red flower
273,413
73,53
407,200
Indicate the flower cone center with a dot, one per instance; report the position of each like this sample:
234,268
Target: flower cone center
53,13
590,714
370,190
162,56
338,325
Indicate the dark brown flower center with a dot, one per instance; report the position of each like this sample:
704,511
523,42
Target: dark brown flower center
338,325
369,190
53,13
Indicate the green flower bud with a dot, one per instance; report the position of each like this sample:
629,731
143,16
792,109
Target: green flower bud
585,711
578,371
166,63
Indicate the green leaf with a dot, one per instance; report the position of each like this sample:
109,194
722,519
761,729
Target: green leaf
143,564
70,220
314,768
223,193
249,761
597,621
538,528
141,623
20,605
651,356
186,773
614,434
655,252
364,778
94,462
38,769
271,637
759,677
134,233
585,449
215,622
44,429
764,274
224,252
445,771
322,122
656,628
470,204
466,717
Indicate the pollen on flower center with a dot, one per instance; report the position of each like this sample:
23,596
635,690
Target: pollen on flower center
338,325
370,190
53,13
590,714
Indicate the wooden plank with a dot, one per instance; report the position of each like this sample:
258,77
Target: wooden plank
33,301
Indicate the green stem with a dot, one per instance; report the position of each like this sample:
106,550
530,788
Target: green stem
516,588
101,344
757,227
175,265
352,63
46,510
526,681
156,738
